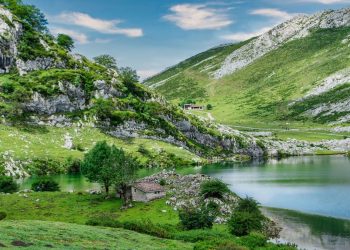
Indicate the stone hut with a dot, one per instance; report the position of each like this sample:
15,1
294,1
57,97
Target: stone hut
147,191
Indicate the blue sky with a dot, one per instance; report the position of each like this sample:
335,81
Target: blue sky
150,35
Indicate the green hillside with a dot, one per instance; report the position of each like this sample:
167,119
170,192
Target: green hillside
58,235
263,90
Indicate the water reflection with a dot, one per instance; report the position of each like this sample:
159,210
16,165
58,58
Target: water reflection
311,231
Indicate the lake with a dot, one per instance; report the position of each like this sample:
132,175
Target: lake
308,196
311,194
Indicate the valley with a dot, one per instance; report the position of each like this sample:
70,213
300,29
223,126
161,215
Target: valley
244,146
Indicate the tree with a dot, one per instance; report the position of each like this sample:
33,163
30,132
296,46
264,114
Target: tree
31,16
98,165
109,166
106,60
65,41
128,76
127,167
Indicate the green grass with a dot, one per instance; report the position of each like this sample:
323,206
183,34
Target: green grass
75,208
261,91
42,142
58,235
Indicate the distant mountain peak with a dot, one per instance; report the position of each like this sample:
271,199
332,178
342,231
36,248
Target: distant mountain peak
297,27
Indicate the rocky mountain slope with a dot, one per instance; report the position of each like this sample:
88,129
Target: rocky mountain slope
43,85
298,71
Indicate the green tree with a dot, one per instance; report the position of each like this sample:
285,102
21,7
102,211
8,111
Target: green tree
98,165
106,60
109,166
128,76
30,16
127,167
65,41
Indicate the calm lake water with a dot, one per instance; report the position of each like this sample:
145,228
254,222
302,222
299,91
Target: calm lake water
308,196
317,187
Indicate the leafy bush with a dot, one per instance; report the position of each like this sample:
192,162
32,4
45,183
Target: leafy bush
214,189
46,166
162,182
7,185
192,218
242,223
246,218
219,244
209,106
253,240
72,165
248,205
45,185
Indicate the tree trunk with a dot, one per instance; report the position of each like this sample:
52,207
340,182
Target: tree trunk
126,195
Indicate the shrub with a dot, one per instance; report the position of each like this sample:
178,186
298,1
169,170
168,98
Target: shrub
8,185
162,182
3,215
65,41
72,165
248,205
253,240
242,223
46,166
209,107
218,245
45,185
192,218
214,189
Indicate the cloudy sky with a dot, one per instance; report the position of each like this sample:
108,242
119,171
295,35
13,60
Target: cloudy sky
150,35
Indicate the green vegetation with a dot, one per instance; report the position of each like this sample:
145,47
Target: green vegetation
262,90
247,218
109,166
2,215
82,208
58,235
65,42
214,189
7,184
45,185
107,61
194,218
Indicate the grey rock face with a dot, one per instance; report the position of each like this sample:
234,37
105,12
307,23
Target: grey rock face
10,30
73,99
38,64
105,91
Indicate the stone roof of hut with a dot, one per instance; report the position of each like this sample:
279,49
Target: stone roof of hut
148,187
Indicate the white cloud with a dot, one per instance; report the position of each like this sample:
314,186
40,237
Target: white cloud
198,17
274,13
242,36
100,25
77,36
